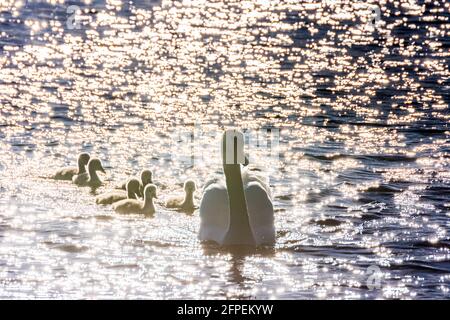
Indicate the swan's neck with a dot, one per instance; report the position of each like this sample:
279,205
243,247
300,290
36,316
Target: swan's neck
131,194
81,168
148,204
189,199
239,230
93,176
145,183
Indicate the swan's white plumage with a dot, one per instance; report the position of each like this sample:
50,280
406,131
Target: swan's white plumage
248,177
215,212
260,213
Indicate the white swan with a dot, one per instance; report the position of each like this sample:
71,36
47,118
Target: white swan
90,179
117,195
146,178
137,206
186,202
69,172
236,211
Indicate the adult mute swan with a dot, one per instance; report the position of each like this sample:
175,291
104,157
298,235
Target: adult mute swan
186,203
117,195
236,211
137,206
90,179
69,172
146,178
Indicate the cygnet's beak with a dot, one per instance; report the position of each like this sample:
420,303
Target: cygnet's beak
246,162
156,196
102,170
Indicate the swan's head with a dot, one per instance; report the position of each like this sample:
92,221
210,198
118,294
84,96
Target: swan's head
150,191
95,165
146,177
133,185
233,147
83,159
189,186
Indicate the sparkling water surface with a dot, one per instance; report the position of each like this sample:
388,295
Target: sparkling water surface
361,178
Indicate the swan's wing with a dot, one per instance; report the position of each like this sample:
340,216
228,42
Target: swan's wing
260,211
65,173
215,179
174,202
214,213
249,177
111,197
127,206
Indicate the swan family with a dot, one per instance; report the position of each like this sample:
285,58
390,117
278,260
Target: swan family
235,209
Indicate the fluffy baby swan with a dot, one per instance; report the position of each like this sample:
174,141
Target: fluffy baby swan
69,172
146,178
117,195
186,203
90,179
136,206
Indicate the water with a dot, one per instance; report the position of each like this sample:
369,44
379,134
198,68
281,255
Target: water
361,185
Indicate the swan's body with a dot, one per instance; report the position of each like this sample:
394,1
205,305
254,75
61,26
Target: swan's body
90,179
69,172
145,207
118,195
237,210
184,203
146,179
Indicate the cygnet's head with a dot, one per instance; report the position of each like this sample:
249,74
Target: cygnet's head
133,185
150,191
96,165
146,177
189,186
83,159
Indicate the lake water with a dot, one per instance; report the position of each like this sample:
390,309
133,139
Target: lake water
356,99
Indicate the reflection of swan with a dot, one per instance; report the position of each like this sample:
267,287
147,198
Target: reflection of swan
146,178
237,263
136,206
117,195
69,172
186,203
236,211
90,179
